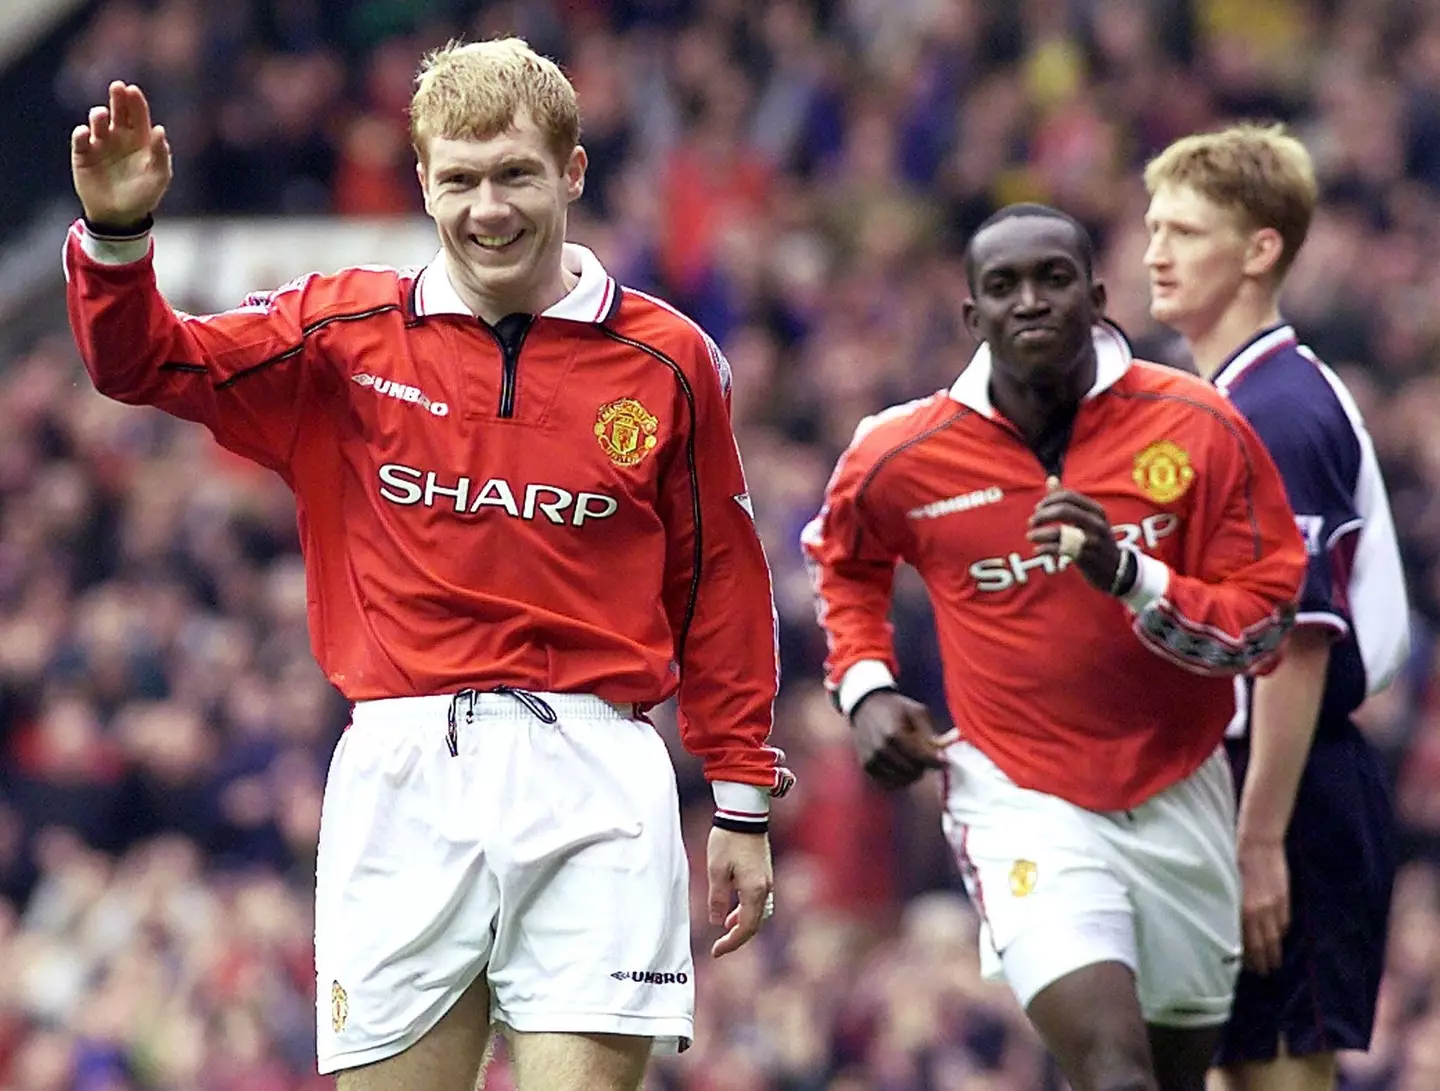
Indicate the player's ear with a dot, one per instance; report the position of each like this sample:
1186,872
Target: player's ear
970,315
1099,298
1263,252
575,173
424,186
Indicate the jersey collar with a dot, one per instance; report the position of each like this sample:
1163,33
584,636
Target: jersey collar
1112,359
593,299
1254,351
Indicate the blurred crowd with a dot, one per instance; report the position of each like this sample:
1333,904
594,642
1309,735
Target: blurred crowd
800,175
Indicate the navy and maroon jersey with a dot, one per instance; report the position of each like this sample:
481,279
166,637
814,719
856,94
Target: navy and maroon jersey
1354,581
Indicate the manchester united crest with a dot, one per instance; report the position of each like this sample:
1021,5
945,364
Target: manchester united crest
1022,878
626,431
1163,471
339,1007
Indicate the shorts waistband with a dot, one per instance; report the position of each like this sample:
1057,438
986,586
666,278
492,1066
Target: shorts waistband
488,705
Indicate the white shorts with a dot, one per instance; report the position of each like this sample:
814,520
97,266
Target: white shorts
1059,887
546,856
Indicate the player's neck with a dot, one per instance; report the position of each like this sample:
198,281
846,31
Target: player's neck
1211,346
492,307
1038,408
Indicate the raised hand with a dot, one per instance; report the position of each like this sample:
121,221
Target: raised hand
119,160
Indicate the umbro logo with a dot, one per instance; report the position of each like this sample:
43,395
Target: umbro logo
651,977
964,502
403,392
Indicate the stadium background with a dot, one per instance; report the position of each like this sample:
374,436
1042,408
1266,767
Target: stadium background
800,175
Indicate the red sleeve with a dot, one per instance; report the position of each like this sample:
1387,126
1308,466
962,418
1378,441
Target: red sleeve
243,374
1229,613
851,559
719,600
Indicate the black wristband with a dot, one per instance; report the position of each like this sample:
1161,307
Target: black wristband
735,825
119,232
865,697
1127,574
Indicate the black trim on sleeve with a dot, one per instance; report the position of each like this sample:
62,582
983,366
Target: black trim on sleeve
736,826
114,232
279,357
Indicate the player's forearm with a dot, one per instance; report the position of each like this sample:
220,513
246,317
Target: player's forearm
729,667
1235,626
1285,710
743,770
853,600
112,301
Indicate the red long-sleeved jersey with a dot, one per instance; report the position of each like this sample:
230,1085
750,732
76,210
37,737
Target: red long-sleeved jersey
1043,672
564,513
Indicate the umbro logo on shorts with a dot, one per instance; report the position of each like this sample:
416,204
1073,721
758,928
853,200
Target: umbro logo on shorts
651,977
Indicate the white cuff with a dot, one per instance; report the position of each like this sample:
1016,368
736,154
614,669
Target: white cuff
114,251
862,678
1324,619
1152,580
741,802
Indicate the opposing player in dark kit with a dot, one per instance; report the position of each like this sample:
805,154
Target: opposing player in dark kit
1228,214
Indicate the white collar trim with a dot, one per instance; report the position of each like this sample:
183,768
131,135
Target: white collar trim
591,300
1112,359
1252,354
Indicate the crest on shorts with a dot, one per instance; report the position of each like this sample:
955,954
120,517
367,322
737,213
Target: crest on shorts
626,431
339,1007
1022,877
1163,471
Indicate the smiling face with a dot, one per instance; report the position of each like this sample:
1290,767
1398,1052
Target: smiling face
1032,300
500,206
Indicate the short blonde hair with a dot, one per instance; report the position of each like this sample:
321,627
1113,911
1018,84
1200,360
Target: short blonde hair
1259,171
475,90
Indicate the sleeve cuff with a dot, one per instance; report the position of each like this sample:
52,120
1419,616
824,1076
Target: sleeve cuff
1324,619
862,678
744,808
1151,583
114,251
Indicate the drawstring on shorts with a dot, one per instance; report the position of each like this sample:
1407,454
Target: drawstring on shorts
535,704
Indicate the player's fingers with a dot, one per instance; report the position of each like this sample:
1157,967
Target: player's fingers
1262,940
137,109
1253,939
721,894
1052,512
99,122
1065,514
919,747
911,749
892,769
743,921
1070,502
80,140
117,100
1274,942
1076,500
160,148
